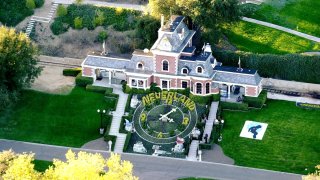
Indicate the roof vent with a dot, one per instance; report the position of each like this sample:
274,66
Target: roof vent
146,50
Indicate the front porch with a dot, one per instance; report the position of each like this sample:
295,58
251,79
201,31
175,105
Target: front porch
232,93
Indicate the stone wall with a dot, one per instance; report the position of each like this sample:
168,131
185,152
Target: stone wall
290,85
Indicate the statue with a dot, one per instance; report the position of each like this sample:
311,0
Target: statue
195,133
134,101
128,125
157,151
178,148
139,148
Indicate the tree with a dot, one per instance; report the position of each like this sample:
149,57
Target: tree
313,176
30,4
99,19
206,13
18,64
78,23
147,28
62,10
78,2
13,166
77,166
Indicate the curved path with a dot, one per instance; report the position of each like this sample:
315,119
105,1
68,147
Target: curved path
274,26
151,167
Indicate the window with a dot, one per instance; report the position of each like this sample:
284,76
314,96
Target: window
164,84
184,71
199,69
184,84
140,83
133,82
139,66
199,88
165,65
207,88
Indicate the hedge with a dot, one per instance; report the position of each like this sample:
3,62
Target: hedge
207,146
216,97
126,143
234,106
83,81
294,67
201,99
112,138
97,89
256,102
71,72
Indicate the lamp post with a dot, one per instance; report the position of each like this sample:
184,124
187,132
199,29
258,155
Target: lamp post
220,130
101,112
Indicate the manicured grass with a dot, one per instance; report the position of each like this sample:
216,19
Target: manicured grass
42,166
68,120
260,39
300,15
290,144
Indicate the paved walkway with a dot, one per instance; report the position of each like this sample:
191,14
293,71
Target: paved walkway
216,155
274,26
107,4
116,115
151,167
212,117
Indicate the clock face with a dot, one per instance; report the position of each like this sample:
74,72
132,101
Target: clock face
162,117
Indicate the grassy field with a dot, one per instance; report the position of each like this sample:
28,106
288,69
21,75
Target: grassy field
290,144
68,120
259,39
300,15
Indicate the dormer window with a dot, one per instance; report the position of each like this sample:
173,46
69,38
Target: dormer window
199,69
140,66
184,71
165,65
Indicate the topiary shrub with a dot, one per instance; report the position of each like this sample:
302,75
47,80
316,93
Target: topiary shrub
71,72
83,81
108,90
61,10
78,23
30,4
256,102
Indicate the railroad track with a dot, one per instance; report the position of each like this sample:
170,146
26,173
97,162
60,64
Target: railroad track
58,64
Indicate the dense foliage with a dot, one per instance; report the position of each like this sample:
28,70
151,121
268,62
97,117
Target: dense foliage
92,16
18,62
79,165
234,106
219,11
14,11
293,67
147,29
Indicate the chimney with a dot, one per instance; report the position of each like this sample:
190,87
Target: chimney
162,21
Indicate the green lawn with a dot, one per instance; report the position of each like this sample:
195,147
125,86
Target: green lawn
301,15
68,120
290,144
260,39
41,166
